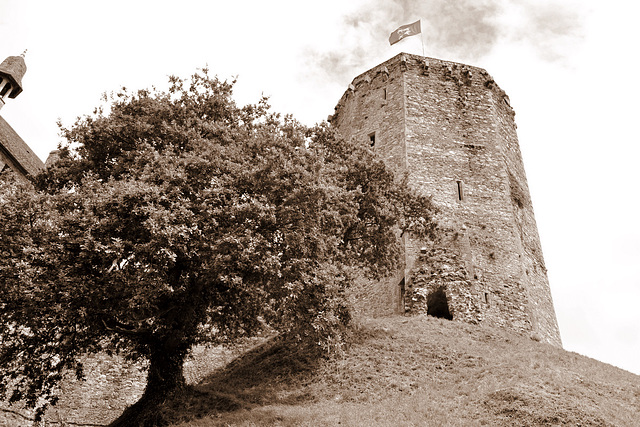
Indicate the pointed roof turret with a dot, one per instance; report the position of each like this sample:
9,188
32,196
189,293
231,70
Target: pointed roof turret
13,69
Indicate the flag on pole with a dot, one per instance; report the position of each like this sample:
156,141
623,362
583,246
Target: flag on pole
405,31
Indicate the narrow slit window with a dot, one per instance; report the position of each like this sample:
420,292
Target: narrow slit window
460,188
372,139
384,93
486,298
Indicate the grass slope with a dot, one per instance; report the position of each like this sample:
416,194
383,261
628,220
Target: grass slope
414,371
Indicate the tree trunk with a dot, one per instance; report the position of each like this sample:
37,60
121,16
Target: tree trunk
165,379
165,374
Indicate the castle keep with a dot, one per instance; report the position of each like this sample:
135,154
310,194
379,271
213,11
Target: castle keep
451,129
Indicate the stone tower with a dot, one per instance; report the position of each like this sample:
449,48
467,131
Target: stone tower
12,70
451,128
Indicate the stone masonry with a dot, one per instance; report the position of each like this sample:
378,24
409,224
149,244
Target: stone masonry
451,128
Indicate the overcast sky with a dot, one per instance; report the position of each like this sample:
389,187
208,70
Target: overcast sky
570,68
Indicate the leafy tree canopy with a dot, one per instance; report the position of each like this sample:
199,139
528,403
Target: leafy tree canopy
176,217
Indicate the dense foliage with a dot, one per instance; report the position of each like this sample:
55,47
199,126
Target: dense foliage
174,218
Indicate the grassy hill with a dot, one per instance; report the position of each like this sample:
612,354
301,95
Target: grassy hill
397,371
414,371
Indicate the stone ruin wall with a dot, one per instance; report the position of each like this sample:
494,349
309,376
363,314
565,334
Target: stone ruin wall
451,128
379,95
112,384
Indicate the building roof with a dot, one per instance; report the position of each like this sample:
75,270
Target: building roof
14,68
17,151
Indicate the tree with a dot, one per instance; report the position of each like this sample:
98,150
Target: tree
175,218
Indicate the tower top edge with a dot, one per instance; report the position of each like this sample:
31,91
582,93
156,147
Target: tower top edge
406,62
419,58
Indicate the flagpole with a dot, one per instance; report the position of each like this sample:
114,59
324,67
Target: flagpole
422,38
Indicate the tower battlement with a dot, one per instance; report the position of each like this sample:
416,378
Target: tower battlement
451,128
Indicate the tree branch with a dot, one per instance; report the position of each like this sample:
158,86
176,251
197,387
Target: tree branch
125,329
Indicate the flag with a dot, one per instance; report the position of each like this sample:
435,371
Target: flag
405,31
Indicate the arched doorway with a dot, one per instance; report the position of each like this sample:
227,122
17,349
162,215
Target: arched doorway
437,305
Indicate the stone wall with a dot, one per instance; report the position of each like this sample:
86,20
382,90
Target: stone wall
452,130
377,298
442,282
112,384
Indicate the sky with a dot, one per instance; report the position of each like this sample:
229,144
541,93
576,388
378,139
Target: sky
568,66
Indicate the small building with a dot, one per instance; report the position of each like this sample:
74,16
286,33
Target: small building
15,154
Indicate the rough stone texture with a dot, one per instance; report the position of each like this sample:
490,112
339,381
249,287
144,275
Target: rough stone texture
377,299
445,267
112,384
451,128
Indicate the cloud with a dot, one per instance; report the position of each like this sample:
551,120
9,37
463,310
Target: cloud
464,30
550,28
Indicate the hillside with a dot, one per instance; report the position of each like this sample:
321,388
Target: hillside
396,371
417,371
